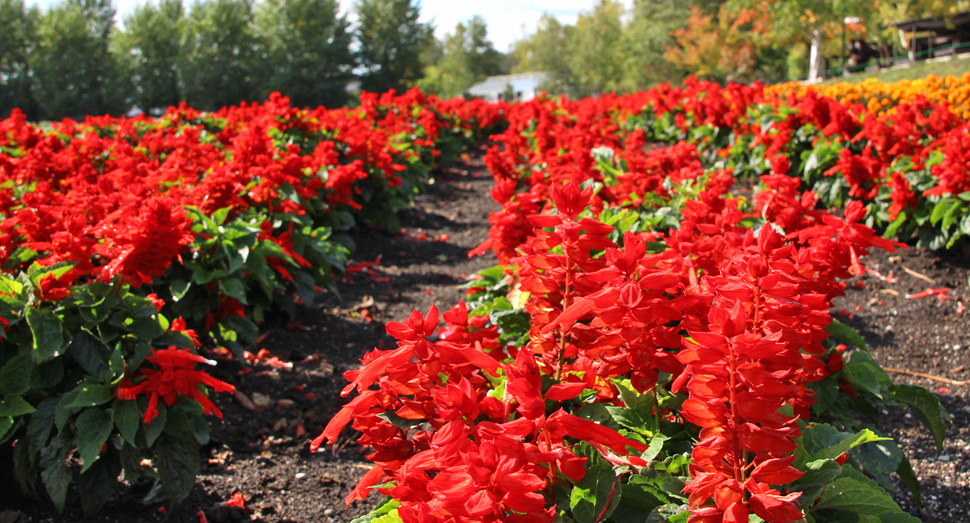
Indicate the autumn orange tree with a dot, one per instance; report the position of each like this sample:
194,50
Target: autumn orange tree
723,48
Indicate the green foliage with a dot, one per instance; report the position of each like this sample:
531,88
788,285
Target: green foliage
220,54
18,28
306,51
391,39
464,58
152,42
544,51
60,363
74,71
595,51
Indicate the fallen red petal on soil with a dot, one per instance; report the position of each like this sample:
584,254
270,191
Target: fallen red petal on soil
236,500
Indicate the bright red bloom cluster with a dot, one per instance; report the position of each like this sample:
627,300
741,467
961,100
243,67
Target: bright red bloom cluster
109,194
174,376
755,315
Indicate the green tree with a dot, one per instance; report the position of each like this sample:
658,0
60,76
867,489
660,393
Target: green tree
391,40
463,59
150,46
648,36
75,73
219,61
308,51
545,51
596,51
18,28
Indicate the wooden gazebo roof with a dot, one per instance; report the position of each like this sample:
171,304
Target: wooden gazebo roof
940,26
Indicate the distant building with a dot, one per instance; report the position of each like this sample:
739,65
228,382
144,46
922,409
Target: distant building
522,86
928,38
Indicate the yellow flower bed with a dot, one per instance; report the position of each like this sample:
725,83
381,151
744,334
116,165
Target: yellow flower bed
881,98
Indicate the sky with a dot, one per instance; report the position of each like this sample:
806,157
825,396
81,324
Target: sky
508,20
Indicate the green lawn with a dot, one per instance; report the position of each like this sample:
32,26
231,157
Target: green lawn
955,67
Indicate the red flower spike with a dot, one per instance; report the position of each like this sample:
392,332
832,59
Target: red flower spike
175,376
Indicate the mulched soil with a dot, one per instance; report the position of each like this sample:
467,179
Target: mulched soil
931,337
264,454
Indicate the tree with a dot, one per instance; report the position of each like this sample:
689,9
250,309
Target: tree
725,49
807,21
465,58
308,51
18,32
544,51
391,40
648,36
75,73
595,50
150,46
219,60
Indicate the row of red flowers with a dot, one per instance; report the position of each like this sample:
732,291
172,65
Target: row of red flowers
121,239
651,343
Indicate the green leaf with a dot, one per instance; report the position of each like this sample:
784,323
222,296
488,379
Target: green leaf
640,497
905,472
929,408
10,286
818,474
6,425
15,375
939,210
951,214
174,338
127,417
234,288
845,333
99,483
179,288
386,509
879,459
841,442
864,375
244,327
850,495
177,461
89,352
54,471
596,495
48,334
14,405
667,514
826,394
403,423
93,429
154,429
89,394
144,328
895,225
219,217
40,424
897,517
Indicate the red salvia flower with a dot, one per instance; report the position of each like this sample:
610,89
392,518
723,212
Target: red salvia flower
174,376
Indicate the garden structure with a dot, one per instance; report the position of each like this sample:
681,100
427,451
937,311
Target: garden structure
697,303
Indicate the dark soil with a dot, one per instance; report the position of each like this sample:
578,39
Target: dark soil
265,454
928,336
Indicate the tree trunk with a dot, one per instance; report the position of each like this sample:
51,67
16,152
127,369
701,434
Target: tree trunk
815,61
